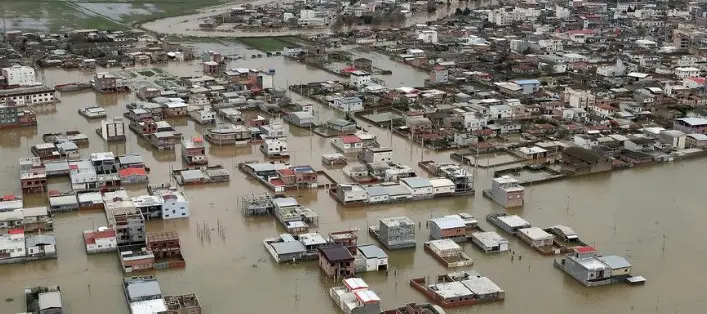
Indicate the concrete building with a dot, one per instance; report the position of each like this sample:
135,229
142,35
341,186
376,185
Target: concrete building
336,261
373,258
164,245
428,36
101,240
419,187
489,241
691,125
351,194
109,83
182,304
359,78
674,139
395,232
19,75
592,270
355,298
506,192
129,226
28,96
174,202
373,155
112,130
347,104
275,148
448,227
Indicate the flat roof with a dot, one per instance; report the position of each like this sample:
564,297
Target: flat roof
372,251
481,285
489,238
452,289
444,245
449,222
513,221
290,247
614,261
535,233
416,182
148,307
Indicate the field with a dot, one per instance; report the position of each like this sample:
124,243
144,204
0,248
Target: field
267,44
59,15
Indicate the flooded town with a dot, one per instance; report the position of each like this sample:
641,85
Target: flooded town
358,157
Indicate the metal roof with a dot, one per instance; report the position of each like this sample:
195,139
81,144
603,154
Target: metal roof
49,300
375,191
449,222
285,202
372,251
144,288
282,248
416,182
614,261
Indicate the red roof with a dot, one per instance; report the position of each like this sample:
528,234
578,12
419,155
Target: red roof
90,237
698,80
132,171
350,139
73,166
8,197
16,231
277,182
286,172
584,249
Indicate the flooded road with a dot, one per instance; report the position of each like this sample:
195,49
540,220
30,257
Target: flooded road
651,216
188,25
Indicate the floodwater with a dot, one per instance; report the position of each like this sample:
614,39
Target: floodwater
188,25
648,215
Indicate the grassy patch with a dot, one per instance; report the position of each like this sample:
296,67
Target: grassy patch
59,15
266,44
146,73
50,15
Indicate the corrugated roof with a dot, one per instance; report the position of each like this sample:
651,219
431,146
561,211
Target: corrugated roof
372,251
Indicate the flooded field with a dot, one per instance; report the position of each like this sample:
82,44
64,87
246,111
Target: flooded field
646,215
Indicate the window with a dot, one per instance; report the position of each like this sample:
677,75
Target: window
174,211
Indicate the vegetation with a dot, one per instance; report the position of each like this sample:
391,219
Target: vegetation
57,15
267,44
146,73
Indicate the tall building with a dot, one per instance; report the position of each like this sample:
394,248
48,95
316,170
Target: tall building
19,75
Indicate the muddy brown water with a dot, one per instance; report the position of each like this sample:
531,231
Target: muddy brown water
651,215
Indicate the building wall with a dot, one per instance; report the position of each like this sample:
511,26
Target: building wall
19,75
175,209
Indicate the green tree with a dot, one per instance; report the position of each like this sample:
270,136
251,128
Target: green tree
458,12
467,11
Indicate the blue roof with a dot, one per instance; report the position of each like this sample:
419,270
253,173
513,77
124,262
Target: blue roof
526,82
302,169
375,191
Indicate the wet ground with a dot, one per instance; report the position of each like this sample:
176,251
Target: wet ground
650,215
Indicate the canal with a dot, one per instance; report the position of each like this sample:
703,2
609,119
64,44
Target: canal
648,215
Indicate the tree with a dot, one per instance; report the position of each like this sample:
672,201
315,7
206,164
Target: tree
458,12
467,11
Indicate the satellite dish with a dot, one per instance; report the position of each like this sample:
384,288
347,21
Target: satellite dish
431,62
440,60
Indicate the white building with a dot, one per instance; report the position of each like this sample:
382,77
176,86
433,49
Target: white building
551,45
25,96
275,148
683,72
101,240
359,78
418,186
112,129
203,116
19,75
375,257
441,186
175,205
347,104
428,36
535,236
489,241
503,17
